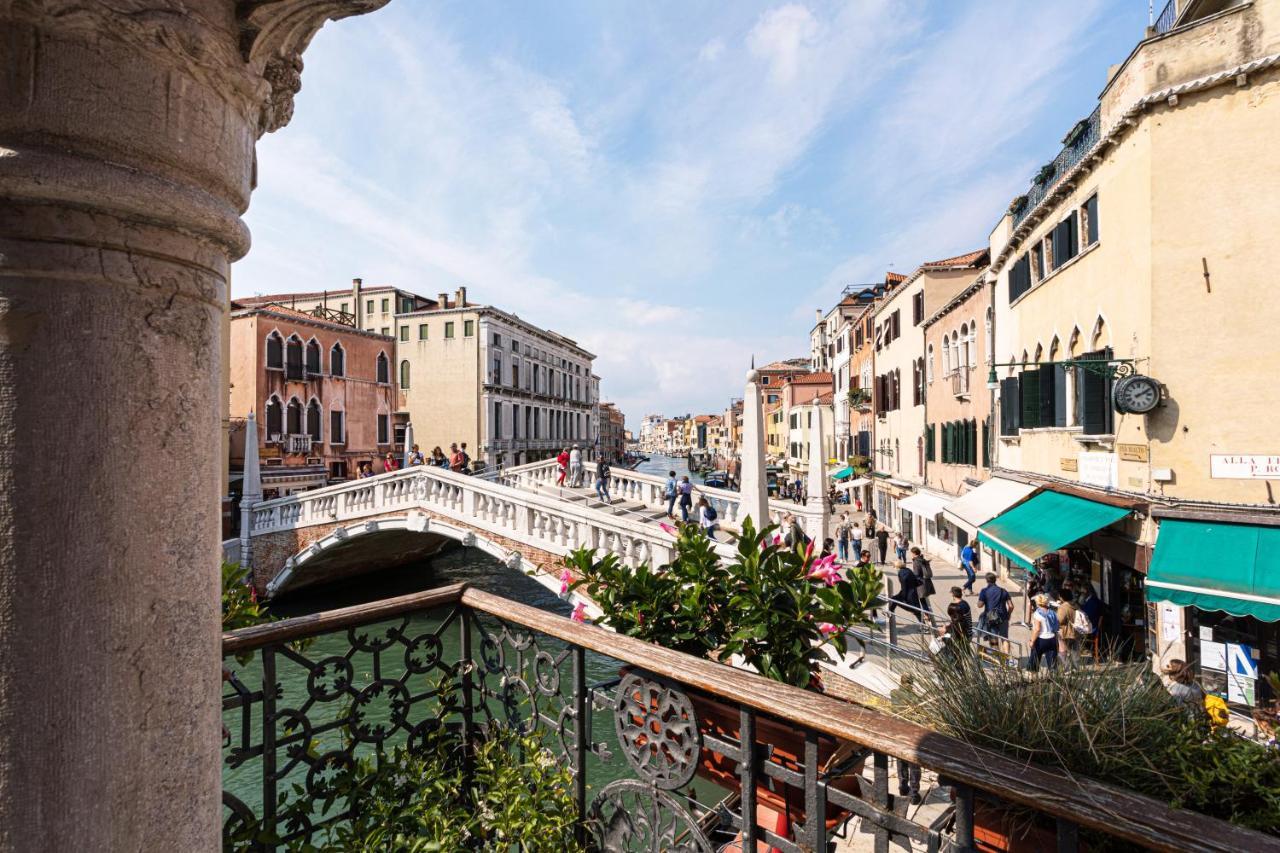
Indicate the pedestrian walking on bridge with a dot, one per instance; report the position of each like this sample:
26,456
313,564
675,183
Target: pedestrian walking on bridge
602,480
575,467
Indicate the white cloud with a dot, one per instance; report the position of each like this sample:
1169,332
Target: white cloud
712,50
780,37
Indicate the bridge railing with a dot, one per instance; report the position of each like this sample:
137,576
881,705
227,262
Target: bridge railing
522,516
649,489
635,724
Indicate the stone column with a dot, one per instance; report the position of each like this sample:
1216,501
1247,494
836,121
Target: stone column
816,511
753,481
127,135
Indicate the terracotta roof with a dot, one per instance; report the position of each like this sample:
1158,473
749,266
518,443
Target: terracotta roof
812,379
894,278
319,294
787,364
705,419
825,397
969,259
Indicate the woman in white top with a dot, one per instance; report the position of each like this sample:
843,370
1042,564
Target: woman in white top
1044,628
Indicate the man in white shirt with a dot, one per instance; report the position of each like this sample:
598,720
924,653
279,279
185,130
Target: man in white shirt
575,467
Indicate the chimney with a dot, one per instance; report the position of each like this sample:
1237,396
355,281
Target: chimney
462,297
443,299
355,295
817,315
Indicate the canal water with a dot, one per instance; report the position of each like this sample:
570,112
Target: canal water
308,678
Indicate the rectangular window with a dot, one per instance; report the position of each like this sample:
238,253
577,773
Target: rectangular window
404,333
338,470
1019,277
342,308
497,339
386,330
1029,398
422,331
897,324
384,429
1091,220
1009,411
1065,240
368,307
337,428
1037,260
1096,417
917,309
515,346
406,305
468,328
386,305
448,329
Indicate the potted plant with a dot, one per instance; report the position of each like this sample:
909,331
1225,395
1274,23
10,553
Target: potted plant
772,608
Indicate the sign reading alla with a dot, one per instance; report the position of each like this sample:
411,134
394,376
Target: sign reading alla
1248,466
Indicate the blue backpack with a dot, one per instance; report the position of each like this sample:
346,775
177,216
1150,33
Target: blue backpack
1050,618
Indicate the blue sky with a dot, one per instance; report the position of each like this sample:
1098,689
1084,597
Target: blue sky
675,185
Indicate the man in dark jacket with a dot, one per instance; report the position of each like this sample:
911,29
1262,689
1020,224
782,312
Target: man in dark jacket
924,574
882,542
906,594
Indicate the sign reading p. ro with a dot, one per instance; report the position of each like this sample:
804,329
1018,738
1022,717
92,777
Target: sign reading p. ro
1247,466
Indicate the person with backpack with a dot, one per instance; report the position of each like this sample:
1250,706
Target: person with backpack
1068,638
855,540
466,459
842,537
686,498
997,606
793,532
669,492
1044,628
602,480
707,518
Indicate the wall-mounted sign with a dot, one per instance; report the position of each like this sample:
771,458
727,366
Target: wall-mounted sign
1246,466
1068,464
271,451
1133,452
1098,469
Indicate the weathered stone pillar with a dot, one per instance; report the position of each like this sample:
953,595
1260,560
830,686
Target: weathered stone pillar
127,136
816,510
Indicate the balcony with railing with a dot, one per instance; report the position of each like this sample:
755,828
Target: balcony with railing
663,751
1076,144
1168,17
960,381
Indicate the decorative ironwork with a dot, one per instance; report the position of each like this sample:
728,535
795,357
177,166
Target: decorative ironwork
632,816
1168,17
1108,368
657,728
1079,141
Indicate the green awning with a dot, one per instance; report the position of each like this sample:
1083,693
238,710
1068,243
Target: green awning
1045,523
843,474
1212,565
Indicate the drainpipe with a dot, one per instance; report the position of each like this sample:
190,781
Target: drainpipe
250,489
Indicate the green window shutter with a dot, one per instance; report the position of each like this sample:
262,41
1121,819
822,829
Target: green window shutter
1009,409
1048,394
973,442
1029,391
986,443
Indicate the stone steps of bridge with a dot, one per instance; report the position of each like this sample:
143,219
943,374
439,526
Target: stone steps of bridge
619,507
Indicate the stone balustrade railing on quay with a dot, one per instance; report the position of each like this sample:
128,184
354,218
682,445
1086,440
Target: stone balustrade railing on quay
650,489
541,521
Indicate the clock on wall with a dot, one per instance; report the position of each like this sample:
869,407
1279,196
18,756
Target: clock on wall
1135,394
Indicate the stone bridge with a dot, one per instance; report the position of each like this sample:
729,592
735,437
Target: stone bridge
521,518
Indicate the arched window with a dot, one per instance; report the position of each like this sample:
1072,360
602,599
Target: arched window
964,345
1100,335
384,370
929,365
337,361
972,345
275,417
1039,353
404,374
1073,343
293,358
313,357
313,419
275,351
946,356
1053,349
293,417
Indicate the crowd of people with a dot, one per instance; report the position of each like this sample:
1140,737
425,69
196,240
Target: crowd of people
457,460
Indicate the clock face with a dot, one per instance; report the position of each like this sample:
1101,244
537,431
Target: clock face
1137,394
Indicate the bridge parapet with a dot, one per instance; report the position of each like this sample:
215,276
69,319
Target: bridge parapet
649,490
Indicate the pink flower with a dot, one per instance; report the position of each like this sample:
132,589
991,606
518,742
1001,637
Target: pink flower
825,572
579,613
669,528
808,550
565,577
827,629
777,540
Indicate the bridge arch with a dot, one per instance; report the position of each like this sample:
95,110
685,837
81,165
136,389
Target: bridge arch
346,549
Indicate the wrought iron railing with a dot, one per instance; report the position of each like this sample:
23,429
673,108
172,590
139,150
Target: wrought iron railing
1078,142
960,381
1167,18
667,751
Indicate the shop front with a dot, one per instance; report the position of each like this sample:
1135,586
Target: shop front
1218,588
1058,543
925,508
967,513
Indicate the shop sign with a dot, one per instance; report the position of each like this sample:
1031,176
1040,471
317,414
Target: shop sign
271,451
1228,466
1132,452
1068,464
1098,469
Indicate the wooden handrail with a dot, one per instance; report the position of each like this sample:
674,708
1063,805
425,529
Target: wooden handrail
1117,812
248,639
